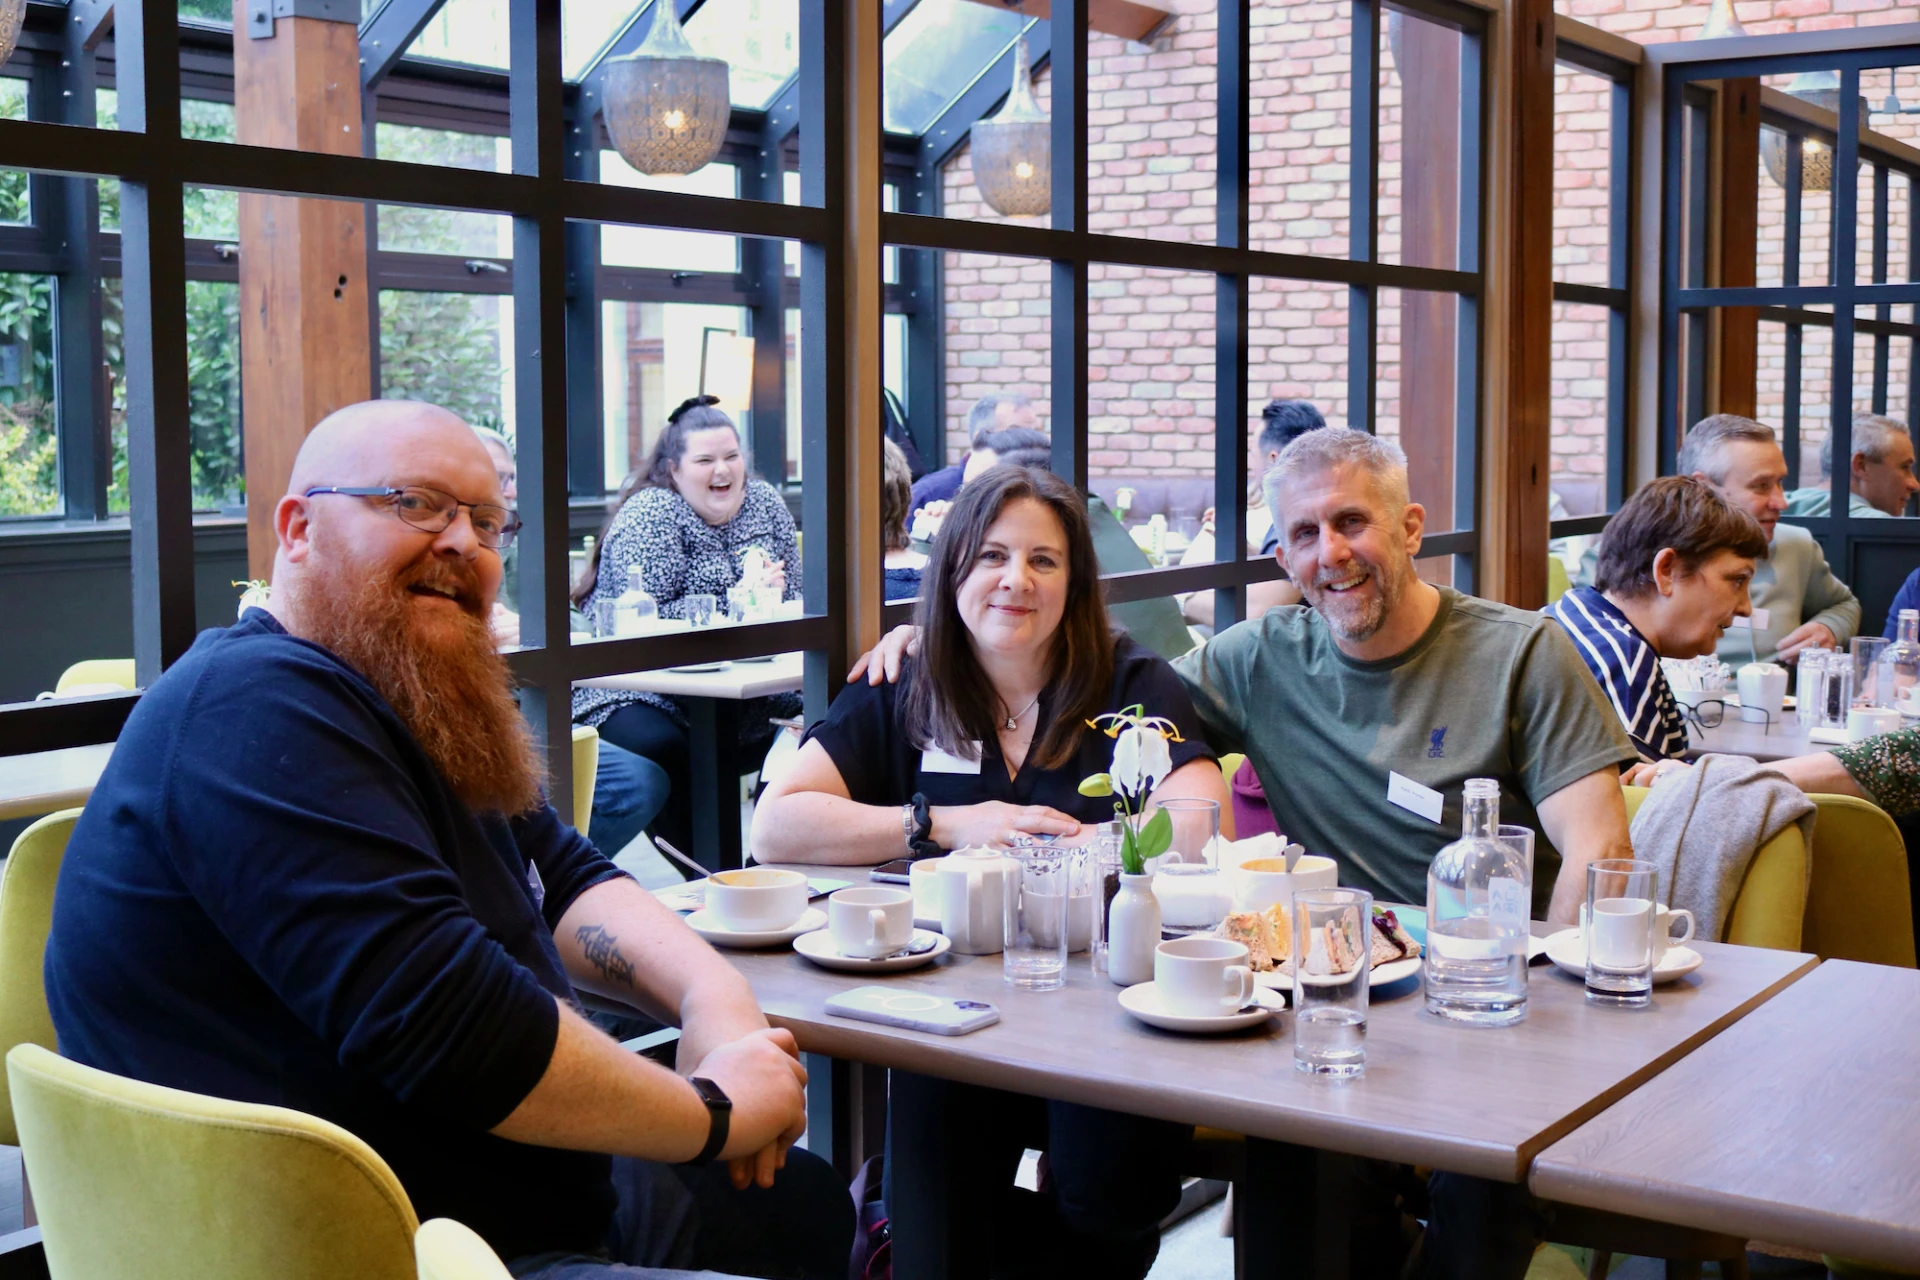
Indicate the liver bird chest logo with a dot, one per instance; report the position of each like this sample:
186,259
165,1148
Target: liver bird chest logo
1437,743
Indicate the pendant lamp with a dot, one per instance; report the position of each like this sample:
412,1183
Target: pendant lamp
1013,151
12,14
1822,89
667,106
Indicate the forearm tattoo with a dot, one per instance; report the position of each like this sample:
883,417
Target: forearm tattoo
603,953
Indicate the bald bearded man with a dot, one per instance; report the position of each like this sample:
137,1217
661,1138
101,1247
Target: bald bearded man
319,872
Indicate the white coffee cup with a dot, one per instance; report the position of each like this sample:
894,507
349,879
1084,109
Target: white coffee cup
870,922
1663,937
1620,934
972,897
1763,688
1202,977
1262,882
756,899
1867,722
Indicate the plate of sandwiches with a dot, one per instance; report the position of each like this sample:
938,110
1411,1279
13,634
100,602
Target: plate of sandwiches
1392,954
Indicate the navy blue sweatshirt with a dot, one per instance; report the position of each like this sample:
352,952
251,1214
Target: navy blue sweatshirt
274,897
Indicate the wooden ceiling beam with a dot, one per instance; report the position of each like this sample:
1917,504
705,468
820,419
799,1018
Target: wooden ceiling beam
1127,19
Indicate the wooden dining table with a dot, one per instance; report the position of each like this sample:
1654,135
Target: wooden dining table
1796,1125
1480,1101
1781,739
47,781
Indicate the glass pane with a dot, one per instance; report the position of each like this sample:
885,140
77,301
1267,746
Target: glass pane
450,349
760,39
1150,404
936,53
1816,399
213,396
1301,127
469,31
1579,410
999,343
29,448
1771,236
1420,151
218,13
651,354
1297,351
628,246
586,27
16,205
1152,118
485,152
1582,175
1418,384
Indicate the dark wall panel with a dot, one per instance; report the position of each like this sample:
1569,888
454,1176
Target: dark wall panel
1878,570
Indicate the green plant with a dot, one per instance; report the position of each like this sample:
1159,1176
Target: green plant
29,464
1140,761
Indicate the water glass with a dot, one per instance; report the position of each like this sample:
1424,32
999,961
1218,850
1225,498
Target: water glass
1331,941
1866,662
700,610
1520,840
1038,890
1194,894
1105,851
1617,926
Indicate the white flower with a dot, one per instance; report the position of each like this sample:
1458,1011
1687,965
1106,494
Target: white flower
1140,760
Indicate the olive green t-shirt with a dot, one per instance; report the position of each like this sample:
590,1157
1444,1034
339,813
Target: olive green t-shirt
1488,691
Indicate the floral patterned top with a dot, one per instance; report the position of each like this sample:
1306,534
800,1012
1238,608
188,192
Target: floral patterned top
1887,767
679,555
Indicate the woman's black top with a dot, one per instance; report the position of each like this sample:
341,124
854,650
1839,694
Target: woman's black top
865,735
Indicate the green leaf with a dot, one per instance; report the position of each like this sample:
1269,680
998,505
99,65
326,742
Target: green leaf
1156,835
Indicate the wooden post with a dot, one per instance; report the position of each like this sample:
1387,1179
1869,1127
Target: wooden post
1430,235
1735,350
1529,427
305,336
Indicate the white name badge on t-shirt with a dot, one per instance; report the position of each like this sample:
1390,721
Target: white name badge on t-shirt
1759,619
934,760
1413,797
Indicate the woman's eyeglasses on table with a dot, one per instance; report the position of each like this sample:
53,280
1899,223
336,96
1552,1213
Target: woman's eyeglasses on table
432,511
1708,713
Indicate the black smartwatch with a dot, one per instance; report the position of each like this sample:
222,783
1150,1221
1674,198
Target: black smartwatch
719,1117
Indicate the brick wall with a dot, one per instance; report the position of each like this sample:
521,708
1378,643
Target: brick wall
1151,164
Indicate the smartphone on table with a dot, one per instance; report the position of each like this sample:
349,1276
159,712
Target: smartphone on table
914,1010
899,871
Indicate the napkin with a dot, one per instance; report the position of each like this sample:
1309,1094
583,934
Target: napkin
1228,855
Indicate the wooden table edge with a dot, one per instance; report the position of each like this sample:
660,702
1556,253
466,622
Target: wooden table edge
1682,1205
41,805
1531,1150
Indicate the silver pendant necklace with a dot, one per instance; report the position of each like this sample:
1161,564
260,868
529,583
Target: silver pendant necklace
1013,720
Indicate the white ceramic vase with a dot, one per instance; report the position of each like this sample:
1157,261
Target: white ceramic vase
1133,930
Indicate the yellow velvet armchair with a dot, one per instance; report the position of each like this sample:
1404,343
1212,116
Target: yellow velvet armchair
26,914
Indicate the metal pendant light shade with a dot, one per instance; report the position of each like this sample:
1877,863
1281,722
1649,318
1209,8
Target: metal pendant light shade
1722,22
667,106
1013,151
12,14
1822,89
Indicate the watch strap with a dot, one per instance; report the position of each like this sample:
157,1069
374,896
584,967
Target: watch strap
719,1118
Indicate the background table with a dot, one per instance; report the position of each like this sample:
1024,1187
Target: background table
1780,740
1796,1125
715,764
1471,1100
48,781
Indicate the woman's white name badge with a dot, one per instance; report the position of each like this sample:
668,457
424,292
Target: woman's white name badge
934,760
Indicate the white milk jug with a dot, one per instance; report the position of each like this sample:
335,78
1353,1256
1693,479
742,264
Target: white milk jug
972,896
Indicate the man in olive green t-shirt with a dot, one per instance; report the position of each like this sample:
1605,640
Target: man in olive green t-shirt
1365,714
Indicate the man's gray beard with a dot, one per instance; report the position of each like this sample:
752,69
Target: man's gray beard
1376,616
454,697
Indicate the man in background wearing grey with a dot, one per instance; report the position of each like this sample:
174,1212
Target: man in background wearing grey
1880,478
1798,603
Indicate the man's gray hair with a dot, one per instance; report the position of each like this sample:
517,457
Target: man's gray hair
1329,447
1700,451
984,417
489,436
1873,435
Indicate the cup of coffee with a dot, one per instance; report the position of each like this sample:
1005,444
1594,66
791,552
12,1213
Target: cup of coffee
1868,722
870,922
1263,882
1663,938
1201,977
1763,691
756,899
1620,933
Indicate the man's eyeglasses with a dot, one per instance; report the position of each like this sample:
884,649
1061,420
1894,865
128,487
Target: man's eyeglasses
432,511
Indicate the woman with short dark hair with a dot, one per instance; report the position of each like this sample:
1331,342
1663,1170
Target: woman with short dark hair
1675,564
685,518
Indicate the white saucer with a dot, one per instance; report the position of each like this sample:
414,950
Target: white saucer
1380,976
818,947
703,923
699,668
1564,949
1143,1001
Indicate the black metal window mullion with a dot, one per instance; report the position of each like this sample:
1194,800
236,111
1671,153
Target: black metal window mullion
1070,275
1843,271
1795,338
1363,229
1882,340
1232,300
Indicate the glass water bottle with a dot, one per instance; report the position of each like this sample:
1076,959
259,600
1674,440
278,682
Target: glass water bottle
634,612
1899,667
1479,897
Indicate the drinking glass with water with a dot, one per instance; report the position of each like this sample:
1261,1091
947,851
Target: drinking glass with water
1331,945
1617,924
1479,897
1038,892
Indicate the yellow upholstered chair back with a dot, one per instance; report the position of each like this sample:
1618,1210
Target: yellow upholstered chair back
26,914
1558,580
138,1182
97,671
1772,907
1860,907
446,1250
586,763
1230,764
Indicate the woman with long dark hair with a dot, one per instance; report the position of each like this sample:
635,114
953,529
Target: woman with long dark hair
685,518
984,738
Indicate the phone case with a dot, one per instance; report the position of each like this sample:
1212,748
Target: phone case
913,1010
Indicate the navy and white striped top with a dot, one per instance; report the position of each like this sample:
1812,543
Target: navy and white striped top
1628,670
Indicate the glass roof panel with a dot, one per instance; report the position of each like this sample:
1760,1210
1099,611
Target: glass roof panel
936,52
760,39
587,25
469,31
